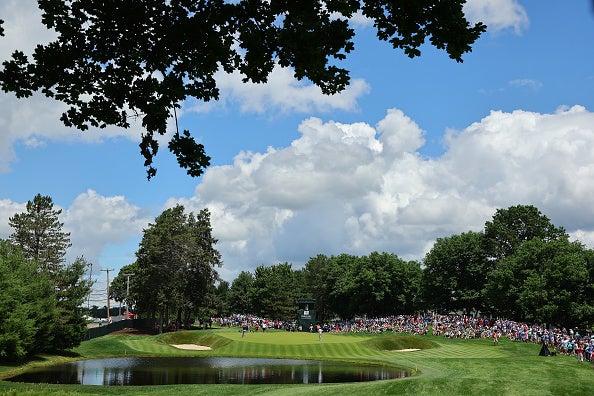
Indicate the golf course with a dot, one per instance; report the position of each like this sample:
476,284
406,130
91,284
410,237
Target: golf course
439,366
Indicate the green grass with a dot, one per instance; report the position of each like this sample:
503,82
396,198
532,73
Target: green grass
442,366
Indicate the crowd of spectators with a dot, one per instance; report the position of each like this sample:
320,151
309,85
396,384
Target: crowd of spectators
254,323
557,340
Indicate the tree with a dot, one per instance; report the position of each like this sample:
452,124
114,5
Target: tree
319,277
114,60
343,297
455,274
515,225
221,298
273,292
176,260
378,284
158,262
27,305
544,281
405,283
72,289
123,287
200,263
588,315
240,294
39,233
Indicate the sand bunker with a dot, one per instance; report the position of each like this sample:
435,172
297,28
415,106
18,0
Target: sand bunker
192,347
406,350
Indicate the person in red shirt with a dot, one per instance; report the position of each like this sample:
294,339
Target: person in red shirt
580,353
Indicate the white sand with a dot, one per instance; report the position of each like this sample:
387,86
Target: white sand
406,350
192,347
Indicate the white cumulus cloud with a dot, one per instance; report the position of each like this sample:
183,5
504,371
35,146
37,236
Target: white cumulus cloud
356,188
498,15
8,209
281,94
95,222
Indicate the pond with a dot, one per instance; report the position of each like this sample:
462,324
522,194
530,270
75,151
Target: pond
207,370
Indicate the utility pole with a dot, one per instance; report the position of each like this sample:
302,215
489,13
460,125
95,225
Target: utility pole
90,280
108,308
127,295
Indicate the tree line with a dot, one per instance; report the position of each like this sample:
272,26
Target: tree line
343,286
519,267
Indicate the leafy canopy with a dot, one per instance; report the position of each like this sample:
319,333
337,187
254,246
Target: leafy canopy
455,272
117,60
175,266
515,225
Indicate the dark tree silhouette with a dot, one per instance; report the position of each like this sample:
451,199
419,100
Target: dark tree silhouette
117,59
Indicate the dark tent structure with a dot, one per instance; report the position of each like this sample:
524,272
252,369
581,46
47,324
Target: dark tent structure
544,350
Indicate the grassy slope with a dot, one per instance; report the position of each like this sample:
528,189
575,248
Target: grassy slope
445,367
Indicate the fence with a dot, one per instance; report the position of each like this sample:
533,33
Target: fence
141,324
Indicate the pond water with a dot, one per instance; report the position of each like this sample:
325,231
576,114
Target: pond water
208,370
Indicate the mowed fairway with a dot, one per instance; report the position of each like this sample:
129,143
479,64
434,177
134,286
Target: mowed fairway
440,367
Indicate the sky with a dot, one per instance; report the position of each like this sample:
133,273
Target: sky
413,150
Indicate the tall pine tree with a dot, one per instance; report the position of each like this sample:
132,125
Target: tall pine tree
39,233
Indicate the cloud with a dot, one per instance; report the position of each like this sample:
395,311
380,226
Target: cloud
96,221
8,209
36,119
585,237
281,94
23,27
527,157
356,188
358,21
498,15
526,83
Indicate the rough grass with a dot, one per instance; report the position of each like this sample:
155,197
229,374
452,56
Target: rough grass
442,366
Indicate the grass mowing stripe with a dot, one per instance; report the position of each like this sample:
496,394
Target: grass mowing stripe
357,351
147,348
282,350
332,351
321,350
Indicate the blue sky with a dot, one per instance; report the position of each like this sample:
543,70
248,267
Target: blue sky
413,150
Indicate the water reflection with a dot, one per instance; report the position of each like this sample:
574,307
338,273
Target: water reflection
210,370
